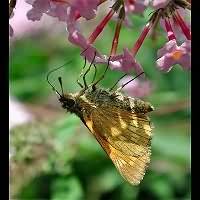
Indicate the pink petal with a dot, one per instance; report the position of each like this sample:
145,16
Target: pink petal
159,3
165,63
86,8
136,88
168,47
125,62
34,15
75,37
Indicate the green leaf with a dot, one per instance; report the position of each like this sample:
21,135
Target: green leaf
68,188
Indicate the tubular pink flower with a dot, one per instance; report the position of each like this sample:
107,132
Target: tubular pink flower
156,4
86,8
169,30
172,54
50,7
97,3
75,37
58,8
175,26
125,62
136,88
135,6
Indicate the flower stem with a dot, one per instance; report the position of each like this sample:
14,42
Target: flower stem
117,31
116,37
103,23
182,25
170,32
140,40
100,27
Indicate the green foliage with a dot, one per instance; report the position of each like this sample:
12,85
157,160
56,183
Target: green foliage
76,167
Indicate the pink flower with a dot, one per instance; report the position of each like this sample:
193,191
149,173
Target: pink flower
136,88
172,54
86,8
175,26
58,8
75,37
159,3
22,26
39,7
136,6
125,62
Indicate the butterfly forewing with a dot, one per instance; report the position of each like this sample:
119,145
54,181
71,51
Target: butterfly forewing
126,138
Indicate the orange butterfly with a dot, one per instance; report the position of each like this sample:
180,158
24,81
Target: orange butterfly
119,123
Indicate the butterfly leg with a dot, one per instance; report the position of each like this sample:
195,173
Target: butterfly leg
103,75
117,82
84,75
81,74
95,73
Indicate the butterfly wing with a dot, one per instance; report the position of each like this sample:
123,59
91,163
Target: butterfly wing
126,138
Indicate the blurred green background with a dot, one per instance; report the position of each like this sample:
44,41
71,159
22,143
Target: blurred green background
56,158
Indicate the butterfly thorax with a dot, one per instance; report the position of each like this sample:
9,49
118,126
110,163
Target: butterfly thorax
103,98
90,99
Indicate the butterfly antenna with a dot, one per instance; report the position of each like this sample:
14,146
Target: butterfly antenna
53,88
152,12
61,85
129,81
50,72
95,73
103,75
81,74
85,50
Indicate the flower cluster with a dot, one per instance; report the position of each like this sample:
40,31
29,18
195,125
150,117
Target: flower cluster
168,13
174,51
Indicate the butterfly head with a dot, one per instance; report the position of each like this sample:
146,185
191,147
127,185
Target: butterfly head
67,101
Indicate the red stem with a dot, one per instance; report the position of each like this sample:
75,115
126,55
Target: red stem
100,27
116,37
183,25
170,32
140,40
132,2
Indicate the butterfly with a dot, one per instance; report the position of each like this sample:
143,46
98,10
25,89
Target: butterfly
118,122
